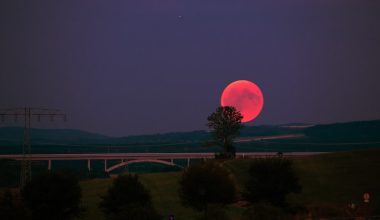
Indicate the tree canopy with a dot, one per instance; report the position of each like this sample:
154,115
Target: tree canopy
225,124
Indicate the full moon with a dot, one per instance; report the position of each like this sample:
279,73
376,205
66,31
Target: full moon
246,97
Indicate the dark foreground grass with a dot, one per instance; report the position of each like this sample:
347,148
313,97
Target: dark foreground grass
334,179
165,195
340,178
164,191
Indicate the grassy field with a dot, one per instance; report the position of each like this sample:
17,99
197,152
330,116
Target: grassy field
334,179
163,188
331,180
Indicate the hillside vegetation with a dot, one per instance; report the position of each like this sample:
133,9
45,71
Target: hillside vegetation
330,137
331,180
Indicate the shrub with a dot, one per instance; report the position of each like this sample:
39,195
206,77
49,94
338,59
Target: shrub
205,184
53,196
12,208
127,199
271,180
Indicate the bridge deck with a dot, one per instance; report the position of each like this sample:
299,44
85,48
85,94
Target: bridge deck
116,156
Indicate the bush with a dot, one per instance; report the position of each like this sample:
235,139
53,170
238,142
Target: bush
205,184
127,199
271,180
53,196
265,211
12,208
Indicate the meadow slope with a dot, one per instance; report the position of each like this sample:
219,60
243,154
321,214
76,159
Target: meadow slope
334,180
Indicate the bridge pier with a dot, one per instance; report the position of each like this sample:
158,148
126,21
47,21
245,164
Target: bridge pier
89,165
105,165
49,165
188,162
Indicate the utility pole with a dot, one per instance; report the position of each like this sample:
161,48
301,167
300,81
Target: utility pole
27,114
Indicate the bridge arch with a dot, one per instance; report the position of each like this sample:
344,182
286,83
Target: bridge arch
125,163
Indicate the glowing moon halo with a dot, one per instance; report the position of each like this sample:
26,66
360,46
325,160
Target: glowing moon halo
245,96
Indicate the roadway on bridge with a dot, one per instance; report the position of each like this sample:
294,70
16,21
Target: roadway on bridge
116,156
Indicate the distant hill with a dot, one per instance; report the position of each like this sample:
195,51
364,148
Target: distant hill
268,130
352,130
14,135
202,135
296,125
366,130
172,137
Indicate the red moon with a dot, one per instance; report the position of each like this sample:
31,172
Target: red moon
246,97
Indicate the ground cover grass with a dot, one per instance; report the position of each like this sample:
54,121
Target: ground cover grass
164,191
333,179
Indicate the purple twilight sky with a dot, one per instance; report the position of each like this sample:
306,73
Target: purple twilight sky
150,66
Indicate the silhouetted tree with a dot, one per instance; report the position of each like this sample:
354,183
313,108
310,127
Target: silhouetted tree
126,199
206,184
12,208
53,196
225,124
271,180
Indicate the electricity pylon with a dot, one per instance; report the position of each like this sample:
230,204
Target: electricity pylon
27,114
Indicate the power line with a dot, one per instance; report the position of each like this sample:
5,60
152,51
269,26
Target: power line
27,114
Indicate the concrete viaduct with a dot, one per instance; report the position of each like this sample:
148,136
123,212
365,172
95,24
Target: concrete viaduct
130,158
